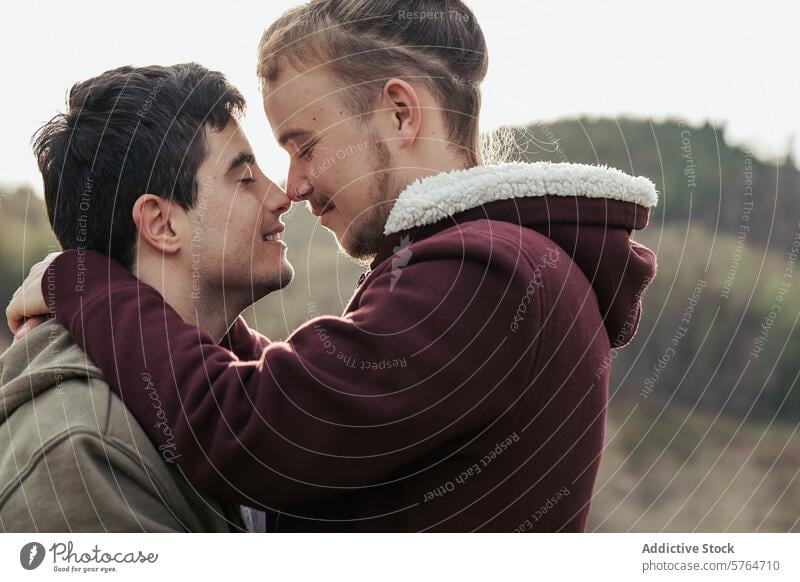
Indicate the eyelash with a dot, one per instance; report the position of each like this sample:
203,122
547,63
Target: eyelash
307,153
249,180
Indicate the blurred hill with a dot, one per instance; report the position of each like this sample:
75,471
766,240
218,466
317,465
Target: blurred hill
701,178
704,405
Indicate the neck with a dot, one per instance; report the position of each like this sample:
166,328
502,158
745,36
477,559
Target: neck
436,161
194,304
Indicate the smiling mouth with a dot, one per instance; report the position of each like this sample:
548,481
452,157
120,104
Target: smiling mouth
273,236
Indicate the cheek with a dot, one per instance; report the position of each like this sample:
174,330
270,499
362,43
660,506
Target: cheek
341,168
229,229
359,197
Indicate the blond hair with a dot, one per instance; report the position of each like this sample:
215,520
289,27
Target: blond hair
367,42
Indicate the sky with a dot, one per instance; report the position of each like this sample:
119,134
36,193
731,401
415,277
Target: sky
733,63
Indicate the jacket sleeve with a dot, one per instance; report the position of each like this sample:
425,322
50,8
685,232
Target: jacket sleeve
340,405
82,484
243,341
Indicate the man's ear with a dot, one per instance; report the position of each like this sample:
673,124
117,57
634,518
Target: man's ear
155,221
401,102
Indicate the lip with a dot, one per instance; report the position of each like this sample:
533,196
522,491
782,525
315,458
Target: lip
276,233
325,212
320,211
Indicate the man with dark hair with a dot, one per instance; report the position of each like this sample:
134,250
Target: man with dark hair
148,166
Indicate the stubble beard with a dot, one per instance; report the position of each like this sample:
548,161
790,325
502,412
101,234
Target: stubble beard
365,235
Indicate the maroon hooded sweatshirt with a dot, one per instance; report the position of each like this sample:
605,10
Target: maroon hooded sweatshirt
463,389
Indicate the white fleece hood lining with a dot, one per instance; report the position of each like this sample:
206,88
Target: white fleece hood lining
431,199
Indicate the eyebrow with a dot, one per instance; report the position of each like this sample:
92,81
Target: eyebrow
242,159
291,134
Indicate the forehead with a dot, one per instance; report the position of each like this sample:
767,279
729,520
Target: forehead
230,136
222,145
300,97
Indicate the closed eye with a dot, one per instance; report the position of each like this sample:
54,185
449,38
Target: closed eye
248,176
308,152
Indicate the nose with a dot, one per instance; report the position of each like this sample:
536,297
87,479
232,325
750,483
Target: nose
275,200
298,186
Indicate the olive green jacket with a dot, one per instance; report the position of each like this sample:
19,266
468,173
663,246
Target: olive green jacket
72,459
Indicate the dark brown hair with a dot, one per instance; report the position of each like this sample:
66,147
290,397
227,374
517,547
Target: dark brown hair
127,132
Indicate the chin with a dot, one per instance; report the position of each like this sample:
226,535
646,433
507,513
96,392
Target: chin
335,228
277,279
361,249
258,284
364,237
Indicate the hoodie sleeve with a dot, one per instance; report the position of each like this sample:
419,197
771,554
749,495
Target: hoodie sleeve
340,405
246,343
